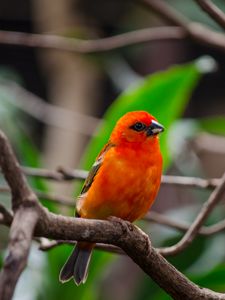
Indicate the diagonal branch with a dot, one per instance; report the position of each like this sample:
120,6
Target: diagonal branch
213,11
11,169
208,206
161,219
196,31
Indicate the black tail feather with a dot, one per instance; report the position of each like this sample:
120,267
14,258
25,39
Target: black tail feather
81,266
77,264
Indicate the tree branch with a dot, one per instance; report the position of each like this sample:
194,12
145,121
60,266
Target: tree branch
133,241
31,217
9,165
20,238
25,207
182,30
90,46
213,11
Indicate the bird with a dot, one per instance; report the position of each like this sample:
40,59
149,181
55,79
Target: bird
123,182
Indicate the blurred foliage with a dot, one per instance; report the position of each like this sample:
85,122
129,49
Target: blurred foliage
165,95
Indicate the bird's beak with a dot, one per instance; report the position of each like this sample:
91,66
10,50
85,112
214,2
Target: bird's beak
154,129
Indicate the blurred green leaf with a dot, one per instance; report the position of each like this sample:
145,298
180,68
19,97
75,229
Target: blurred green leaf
164,95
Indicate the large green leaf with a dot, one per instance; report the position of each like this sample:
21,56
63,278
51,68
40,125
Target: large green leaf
164,95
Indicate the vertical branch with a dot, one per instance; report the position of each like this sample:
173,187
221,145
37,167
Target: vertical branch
26,208
20,239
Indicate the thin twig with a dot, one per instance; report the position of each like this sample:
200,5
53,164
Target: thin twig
213,11
91,46
187,181
48,113
196,31
46,245
60,199
181,226
193,230
199,33
62,174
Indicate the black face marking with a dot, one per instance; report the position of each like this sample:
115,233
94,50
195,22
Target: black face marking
139,126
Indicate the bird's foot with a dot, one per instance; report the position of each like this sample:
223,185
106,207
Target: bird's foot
123,223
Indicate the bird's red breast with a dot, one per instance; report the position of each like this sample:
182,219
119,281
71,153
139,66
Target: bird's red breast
125,177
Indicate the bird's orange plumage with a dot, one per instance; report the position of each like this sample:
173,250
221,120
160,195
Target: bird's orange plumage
125,177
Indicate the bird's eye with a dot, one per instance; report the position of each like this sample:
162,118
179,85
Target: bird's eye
138,126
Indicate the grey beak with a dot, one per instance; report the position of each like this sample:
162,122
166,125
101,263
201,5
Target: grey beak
154,129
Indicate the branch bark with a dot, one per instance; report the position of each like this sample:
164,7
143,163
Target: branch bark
134,242
26,216
20,238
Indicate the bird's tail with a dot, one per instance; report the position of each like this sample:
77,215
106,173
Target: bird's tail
77,264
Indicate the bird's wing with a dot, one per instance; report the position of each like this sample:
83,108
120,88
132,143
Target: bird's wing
95,167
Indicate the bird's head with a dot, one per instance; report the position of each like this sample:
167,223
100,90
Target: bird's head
136,127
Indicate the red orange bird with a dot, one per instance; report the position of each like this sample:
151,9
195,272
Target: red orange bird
123,182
